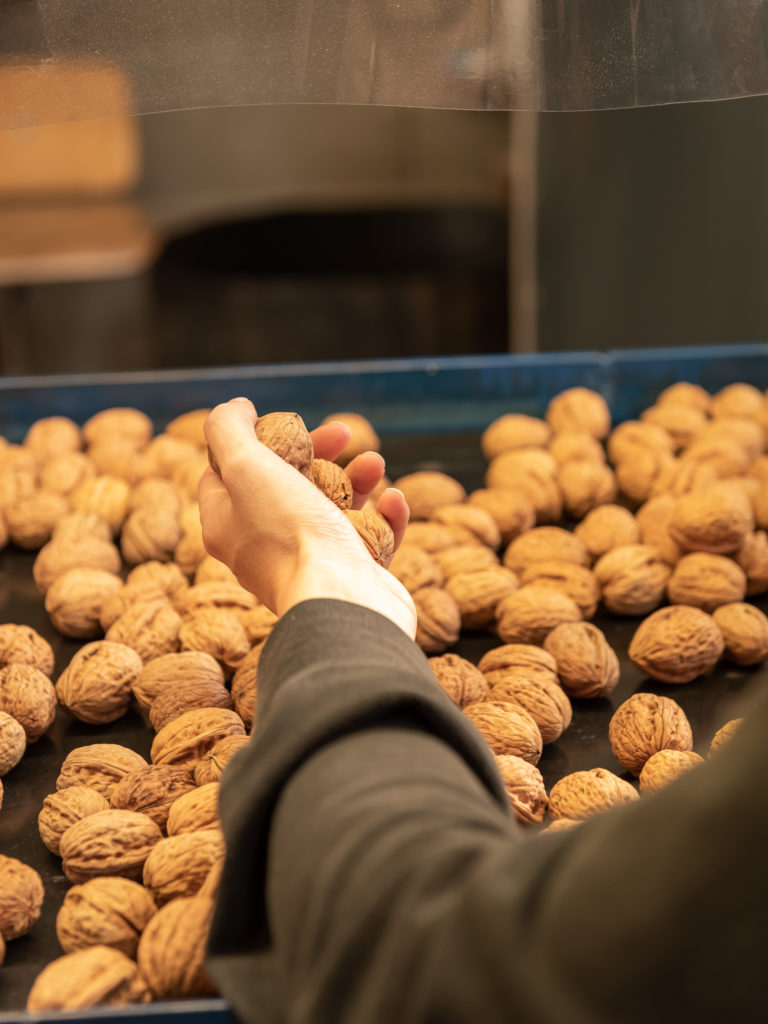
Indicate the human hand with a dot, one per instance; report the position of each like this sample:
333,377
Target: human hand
284,540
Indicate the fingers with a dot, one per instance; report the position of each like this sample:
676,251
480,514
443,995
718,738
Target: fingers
393,506
329,439
230,432
365,471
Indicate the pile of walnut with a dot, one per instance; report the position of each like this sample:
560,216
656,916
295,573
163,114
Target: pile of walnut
671,510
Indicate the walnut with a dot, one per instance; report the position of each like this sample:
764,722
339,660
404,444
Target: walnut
533,662
665,766
375,532
127,596
21,897
531,613
469,524
579,409
96,685
737,400
607,527
192,694
582,794
525,788
477,594
759,501
575,445
653,522
104,912
706,581
59,555
18,475
717,519
752,556
165,452
681,422
216,594
644,724
438,620
172,672
632,578
211,767
677,644
724,735
151,790
186,475
31,519
514,430
189,426
286,435
28,696
52,436
167,576
506,728
462,558
177,866
85,978
64,473
685,393
196,810
98,765
512,512
64,808
430,537
81,526
575,581
188,738
333,482
585,484
587,665
13,742
637,476
23,645
258,623
150,532
172,949
415,568
211,569
427,491
706,460
151,629
682,476
105,495
545,544
516,471
746,431
245,686
74,600
459,678
218,632
119,457
745,632
121,421
546,703
362,438
108,843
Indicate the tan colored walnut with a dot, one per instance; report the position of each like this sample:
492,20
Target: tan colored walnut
575,581
585,484
375,532
23,645
98,765
566,447
108,843
333,482
546,703
74,600
211,767
587,665
211,569
653,522
150,533
196,810
525,788
218,632
685,393
245,686
63,808
210,887
514,430
89,977
426,491
532,661
105,495
189,426
186,476
681,422
13,742
28,696
429,536
460,679
706,460
683,476
188,738
532,473
752,556
117,457
151,629
579,408
96,685
665,766
632,578
287,436
438,620
172,949
75,527
18,475
21,897
531,613
60,555
129,594
165,452
477,594
122,421
545,544
737,399
632,436
470,524
724,735
645,724
462,558
759,500
706,581
415,568
746,431
177,866
52,436
104,912
151,790
717,519
171,672
512,511
362,438
745,632
677,644
507,728
217,594
637,475
174,702
583,794
607,527
31,519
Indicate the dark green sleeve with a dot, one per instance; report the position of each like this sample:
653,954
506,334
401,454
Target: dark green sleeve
374,875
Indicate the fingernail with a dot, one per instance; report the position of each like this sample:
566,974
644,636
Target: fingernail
240,399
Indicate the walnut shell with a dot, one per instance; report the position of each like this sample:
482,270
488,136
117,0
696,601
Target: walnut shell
218,632
13,742
514,430
429,536
531,613
525,788
151,790
632,578
178,866
172,949
287,436
462,558
724,734
717,519
644,724
172,672
105,495
150,533
752,556
681,422
108,843
187,739
121,421
585,484
607,527
362,438
575,581
151,629
21,897
653,521
333,482
18,475
64,808
375,532
217,594
426,491
74,600
545,544
536,482
459,678
28,696
189,426
88,977
98,765
52,436
32,518
637,476
579,408
96,685
117,457
104,912
684,393
546,703
677,644
745,632
706,581
737,399
665,766
581,795
683,476
211,767
23,645
186,476
172,702
470,524
506,728
245,686
438,620
531,661
587,665
62,554
477,594
211,569
196,810
566,447
164,454
415,568
512,511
